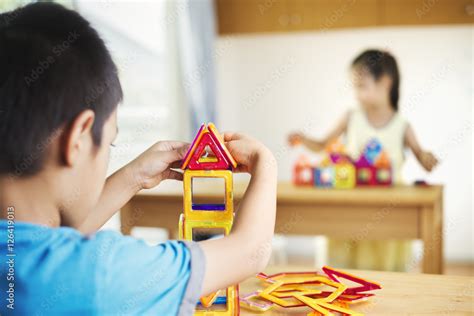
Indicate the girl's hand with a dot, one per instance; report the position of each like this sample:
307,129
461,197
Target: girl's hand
247,151
154,165
427,160
295,139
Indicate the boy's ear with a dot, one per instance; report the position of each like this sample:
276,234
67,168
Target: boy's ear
78,136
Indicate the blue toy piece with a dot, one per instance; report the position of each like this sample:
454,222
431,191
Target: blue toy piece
208,207
372,150
324,177
219,300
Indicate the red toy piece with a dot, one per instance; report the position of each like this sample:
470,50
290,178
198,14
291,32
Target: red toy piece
333,274
383,172
202,160
365,172
303,172
208,152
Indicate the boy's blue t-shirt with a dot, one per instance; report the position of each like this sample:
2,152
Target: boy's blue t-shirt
55,271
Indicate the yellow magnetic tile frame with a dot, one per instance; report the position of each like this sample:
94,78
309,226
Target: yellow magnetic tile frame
208,215
233,308
186,232
189,226
186,227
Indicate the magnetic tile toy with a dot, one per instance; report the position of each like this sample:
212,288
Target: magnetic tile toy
208,157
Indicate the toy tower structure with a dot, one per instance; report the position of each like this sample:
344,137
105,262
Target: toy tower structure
208,157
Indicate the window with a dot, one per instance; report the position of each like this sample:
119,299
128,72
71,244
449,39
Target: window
139,48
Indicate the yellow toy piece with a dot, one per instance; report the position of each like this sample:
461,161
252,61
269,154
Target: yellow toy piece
181,227
191,226
323,308
268,293
205,211
208,159
232,308
285,294
345,176
207,301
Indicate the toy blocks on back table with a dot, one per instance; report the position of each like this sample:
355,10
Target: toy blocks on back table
338,170
344,172
383,168
373,166
324,174
208,157
365,172
303,172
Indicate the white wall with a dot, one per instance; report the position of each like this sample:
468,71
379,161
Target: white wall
269,85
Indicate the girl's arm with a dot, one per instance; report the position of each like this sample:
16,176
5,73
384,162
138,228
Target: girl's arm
320,144
246,250
425,158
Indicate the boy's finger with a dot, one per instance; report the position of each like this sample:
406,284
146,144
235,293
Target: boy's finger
175,175
171,145
174,155
176,164
228,136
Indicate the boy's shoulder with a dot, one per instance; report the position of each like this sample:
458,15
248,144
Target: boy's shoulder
47,263
99,273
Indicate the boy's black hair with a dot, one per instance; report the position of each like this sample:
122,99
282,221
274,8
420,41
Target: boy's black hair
53,66
378,63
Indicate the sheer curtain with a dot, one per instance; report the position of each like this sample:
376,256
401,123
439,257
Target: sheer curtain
192,24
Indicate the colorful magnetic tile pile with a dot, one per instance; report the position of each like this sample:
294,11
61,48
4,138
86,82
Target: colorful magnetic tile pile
208,157
297,289
338,170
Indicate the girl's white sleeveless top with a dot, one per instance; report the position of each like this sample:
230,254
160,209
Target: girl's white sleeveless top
391,136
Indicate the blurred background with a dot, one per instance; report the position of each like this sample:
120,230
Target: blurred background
270,67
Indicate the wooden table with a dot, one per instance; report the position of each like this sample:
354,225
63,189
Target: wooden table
401,294
400,212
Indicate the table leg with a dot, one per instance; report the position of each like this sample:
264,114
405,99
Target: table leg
432,236
127,218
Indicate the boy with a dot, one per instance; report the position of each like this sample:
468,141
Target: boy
57,121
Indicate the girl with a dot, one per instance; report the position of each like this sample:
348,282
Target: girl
376,81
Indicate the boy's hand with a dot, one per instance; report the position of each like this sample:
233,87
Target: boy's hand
154,165
427,160
247,151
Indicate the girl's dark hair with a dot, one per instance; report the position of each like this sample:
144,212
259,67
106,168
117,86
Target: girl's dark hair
378,63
